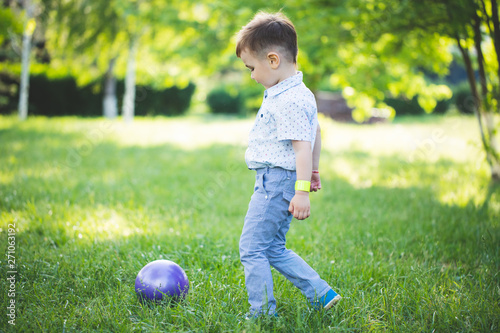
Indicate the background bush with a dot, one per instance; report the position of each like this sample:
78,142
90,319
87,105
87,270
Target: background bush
9,86
404,106
464,101
171,101
63,97
220,100
442,106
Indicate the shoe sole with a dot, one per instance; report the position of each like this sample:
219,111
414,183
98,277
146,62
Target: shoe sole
334,301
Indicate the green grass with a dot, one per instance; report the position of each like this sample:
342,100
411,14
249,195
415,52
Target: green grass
406,228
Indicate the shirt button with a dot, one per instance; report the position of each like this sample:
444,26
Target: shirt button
266,196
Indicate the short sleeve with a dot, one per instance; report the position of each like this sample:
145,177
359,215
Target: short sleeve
295,121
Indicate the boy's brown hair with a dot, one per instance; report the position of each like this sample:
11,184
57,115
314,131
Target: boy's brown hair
265,31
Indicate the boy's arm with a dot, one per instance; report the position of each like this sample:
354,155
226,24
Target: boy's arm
315,179
300,206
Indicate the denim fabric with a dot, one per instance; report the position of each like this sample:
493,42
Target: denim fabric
262,243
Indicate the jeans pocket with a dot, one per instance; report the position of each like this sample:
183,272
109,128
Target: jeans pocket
259,183
288,196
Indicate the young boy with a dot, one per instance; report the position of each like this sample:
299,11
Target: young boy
284,149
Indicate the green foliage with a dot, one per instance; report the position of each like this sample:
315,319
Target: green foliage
442,106
412,246
60,95
404,107
171,101
355,47
365,54
8,24
11,29
9,84
176,40
251,94
220,100
373,48
464,101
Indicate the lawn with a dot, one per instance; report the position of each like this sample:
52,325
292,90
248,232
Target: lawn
406,227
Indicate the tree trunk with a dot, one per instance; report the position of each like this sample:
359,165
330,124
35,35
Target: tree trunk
493,149
476,105
129,96
496,32
109,103
477,108
480,60
25,61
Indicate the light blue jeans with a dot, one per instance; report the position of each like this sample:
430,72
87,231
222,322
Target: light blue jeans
262,243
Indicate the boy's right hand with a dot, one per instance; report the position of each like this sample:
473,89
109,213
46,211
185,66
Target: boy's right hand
300,206
315,182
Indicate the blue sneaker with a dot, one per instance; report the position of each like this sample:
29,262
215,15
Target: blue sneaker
328,301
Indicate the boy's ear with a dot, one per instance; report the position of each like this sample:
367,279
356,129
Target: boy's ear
274,59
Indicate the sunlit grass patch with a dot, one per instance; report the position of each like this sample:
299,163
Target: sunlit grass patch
412,244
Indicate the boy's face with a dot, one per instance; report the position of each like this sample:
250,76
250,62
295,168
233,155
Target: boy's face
261,69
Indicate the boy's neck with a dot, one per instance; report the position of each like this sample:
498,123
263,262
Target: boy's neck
286,71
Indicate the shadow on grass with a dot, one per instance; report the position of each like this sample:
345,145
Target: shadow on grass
90,215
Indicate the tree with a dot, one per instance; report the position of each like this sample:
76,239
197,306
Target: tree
350,45
29,28
84,41
487,104
174,39
10,26
109,103
373,48
470,24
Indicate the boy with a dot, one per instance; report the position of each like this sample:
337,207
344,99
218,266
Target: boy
284,149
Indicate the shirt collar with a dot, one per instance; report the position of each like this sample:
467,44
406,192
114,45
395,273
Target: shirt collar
284,85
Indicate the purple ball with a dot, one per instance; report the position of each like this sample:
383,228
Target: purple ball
161,279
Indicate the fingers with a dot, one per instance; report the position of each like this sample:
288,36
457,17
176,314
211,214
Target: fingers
299,214
302,214
315,186
299,206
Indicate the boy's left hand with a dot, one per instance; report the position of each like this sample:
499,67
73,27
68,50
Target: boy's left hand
315,182
300,207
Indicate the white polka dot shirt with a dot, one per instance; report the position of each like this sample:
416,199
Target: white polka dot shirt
288,112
